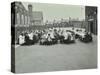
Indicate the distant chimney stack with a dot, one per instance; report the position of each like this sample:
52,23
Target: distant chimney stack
30,8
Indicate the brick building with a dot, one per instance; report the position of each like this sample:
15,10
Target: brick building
24,20
91,19
20,16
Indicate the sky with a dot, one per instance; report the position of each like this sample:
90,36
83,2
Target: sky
58,11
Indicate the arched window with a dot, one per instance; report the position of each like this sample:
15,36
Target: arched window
18,18
25,19
28,20
22,19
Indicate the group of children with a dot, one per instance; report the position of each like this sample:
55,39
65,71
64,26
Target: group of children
51,37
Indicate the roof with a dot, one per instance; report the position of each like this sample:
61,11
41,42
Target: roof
37,15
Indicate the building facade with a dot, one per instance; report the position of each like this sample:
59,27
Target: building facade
20,16
91,19
24,20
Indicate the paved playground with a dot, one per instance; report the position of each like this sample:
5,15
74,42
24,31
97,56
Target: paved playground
38,58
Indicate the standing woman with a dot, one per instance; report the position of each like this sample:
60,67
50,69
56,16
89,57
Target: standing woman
21,39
